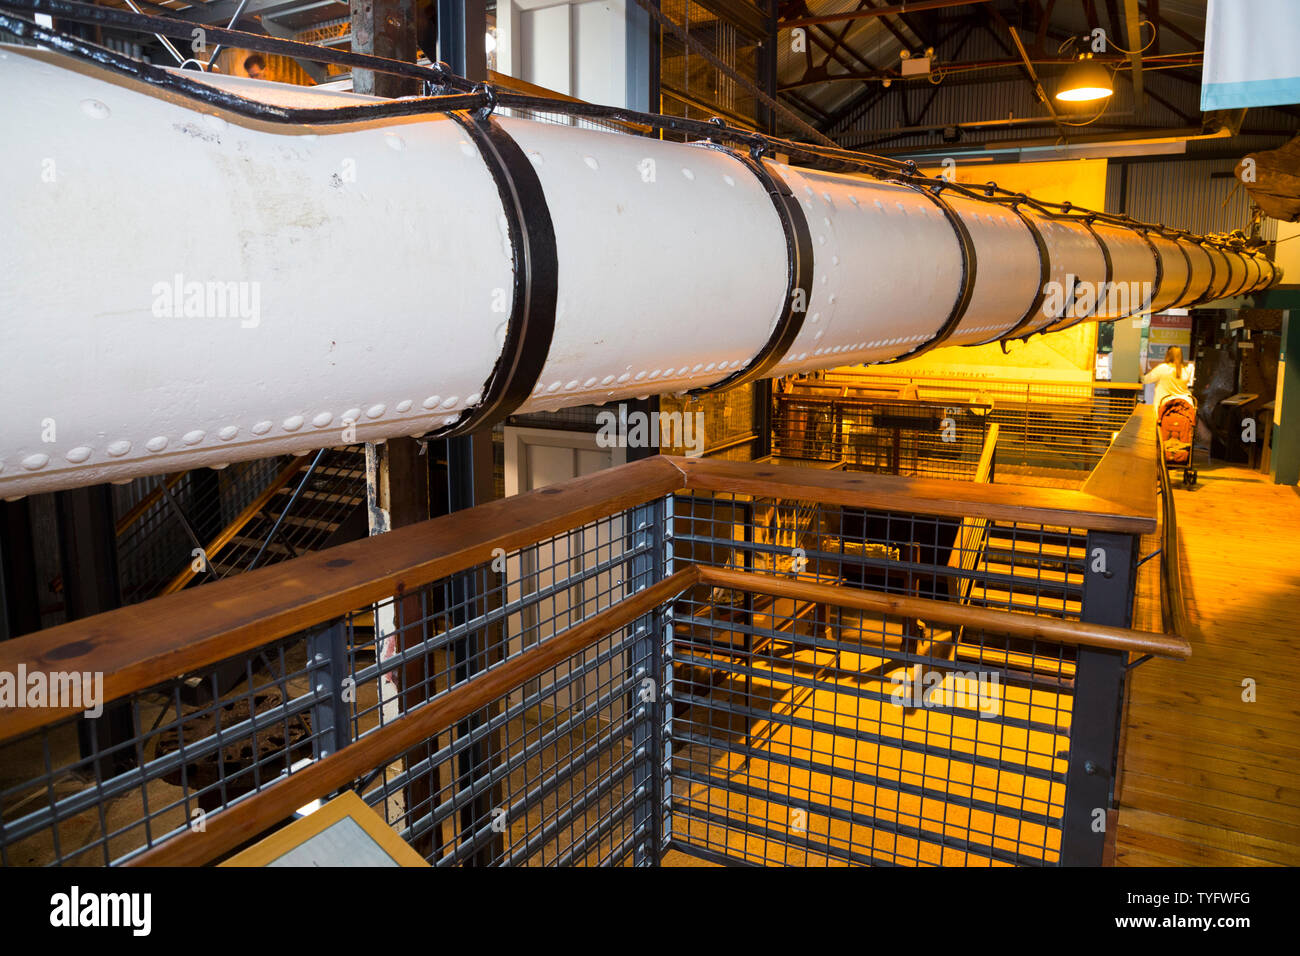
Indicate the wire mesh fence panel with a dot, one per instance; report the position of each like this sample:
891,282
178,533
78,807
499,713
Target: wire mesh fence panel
553,770
831,704
914,438
1046,428
1006,565
814,735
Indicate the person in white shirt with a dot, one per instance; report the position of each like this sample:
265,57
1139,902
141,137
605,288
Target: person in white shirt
1172,378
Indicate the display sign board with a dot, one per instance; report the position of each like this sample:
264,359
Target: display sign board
1168,329
344,832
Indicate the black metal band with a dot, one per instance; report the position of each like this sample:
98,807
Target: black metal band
1259,271
1245,277
1210,290
1174,302
1044,276
1272,271
1200,297
798,292
1105,283
1160,276
967,287
536,277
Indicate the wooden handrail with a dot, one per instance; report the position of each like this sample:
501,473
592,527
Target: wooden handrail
1124,474
1173,613
228,828
946,379
147,643
1060,507
1012,623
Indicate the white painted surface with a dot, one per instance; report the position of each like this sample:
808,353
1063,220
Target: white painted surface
887,270
1074,256
378,264
360,257
1007,270
1133,272
654,297
1175,272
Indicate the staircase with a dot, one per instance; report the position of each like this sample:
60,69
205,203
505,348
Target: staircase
249,515
1032,572
315,502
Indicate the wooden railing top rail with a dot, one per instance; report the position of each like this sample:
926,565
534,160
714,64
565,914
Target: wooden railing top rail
1127,473
145,644
227,828
1059,507
1173,612
1011,623
947,379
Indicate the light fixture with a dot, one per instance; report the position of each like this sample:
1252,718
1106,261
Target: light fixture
1085,80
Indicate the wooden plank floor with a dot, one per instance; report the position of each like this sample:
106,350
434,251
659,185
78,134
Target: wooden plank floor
1209,779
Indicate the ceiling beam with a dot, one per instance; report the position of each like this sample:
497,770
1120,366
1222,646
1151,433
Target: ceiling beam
1153,14
1133,37
219,12
745,17
915,7
866,76
316,71
1033,77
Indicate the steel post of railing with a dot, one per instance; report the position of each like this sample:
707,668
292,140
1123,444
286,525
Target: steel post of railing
645,540
1096,720
331,715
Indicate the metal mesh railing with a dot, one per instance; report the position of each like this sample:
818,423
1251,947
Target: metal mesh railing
551,770
1046,428
814,735
1006,565
898,437
743,677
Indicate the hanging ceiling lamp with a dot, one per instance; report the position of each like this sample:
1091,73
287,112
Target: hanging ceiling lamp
1085,80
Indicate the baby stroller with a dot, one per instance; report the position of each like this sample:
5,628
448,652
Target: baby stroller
1177,420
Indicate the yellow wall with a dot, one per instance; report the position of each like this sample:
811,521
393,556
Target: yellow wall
1058,356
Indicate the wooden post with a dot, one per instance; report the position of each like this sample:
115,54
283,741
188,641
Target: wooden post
384,28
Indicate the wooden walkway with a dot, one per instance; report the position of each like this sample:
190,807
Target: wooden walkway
1208,778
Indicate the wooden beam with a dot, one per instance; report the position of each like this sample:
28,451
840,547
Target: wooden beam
929,496
384,28
915,7
1133,37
